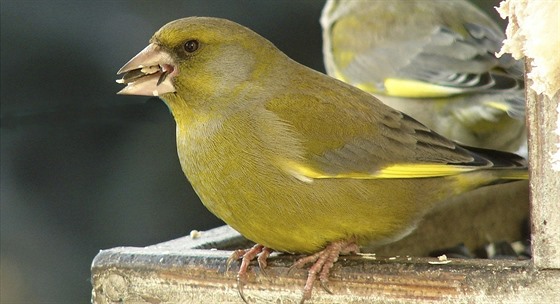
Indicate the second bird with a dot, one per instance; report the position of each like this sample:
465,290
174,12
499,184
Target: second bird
434,60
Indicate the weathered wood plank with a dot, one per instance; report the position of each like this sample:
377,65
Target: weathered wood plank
172,272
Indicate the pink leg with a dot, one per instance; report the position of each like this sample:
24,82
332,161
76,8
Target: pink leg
323,261
246,256
261,259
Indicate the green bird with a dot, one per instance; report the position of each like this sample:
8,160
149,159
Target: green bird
434,60
293,159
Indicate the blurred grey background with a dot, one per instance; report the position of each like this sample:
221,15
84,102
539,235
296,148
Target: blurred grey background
83,169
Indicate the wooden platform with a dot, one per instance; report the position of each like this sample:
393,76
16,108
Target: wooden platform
178,272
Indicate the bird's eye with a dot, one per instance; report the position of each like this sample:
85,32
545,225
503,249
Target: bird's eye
191,46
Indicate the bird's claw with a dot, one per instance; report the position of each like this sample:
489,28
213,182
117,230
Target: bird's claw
236,255
261,259
241,281
322,261
325,285
247,255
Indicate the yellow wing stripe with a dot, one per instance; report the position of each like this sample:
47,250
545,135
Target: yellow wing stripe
421,170
416,89
497,105
305,173
404,88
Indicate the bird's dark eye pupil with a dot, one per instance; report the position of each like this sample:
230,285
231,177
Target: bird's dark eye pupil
191,46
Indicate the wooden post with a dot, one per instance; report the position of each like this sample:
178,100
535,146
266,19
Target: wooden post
543,118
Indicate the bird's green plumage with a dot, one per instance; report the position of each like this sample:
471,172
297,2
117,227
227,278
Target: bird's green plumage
249,119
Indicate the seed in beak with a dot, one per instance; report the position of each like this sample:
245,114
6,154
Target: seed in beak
165,70
162,77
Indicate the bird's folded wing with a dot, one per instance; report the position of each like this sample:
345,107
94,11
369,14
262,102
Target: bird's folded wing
364,139
428,62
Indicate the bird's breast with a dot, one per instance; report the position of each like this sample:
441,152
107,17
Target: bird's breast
233,165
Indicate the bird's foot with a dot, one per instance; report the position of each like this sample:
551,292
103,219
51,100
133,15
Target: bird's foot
246,256
323,261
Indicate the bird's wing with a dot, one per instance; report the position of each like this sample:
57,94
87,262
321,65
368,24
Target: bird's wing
422,56
364,139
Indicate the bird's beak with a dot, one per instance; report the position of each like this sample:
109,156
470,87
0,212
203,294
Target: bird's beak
149,73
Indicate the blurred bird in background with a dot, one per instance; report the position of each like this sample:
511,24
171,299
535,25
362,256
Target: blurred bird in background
434,60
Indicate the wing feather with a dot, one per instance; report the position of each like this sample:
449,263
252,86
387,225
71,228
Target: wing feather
357,136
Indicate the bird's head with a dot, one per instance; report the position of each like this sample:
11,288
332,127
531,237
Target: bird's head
200,57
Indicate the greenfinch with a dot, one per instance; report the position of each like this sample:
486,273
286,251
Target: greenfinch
293,159
433,60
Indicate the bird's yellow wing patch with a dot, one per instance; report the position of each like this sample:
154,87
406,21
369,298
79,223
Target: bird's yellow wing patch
417,89
307,173
498,105
405,88
421,170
